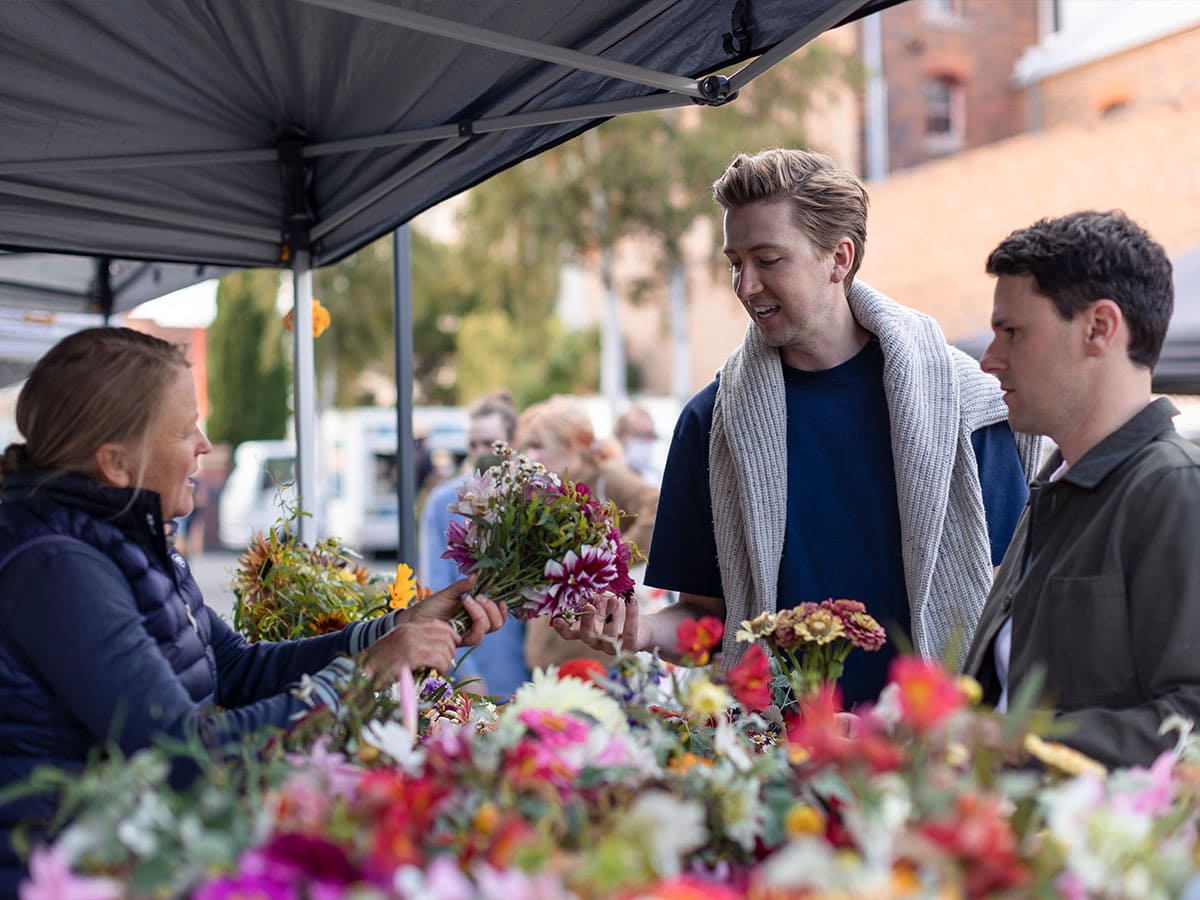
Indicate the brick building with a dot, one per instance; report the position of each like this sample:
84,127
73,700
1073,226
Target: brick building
1068,104
939,78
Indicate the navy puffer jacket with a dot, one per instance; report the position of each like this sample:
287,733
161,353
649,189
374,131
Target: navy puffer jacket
104,638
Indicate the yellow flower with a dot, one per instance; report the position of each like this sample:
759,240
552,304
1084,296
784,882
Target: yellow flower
707,699
957,754
320,319
803,819
1061,757
487,817
762,625
820,626
324,623
685,762
402,591
970,688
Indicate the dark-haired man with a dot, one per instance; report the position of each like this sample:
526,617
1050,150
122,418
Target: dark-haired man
1100,587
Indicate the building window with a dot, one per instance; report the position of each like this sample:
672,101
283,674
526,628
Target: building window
941,10
944,114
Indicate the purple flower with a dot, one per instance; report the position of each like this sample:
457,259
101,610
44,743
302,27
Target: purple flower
578,576
534,602
291,857
458,545
435,688
242,885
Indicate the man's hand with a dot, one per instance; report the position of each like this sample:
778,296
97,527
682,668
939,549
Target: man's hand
607,623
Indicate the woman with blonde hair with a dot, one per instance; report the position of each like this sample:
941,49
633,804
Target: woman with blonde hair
558,433
105,639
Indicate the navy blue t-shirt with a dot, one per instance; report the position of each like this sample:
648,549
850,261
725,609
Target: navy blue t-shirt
843,524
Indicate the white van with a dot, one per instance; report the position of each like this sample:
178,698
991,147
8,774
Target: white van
359,469
261,485
357,489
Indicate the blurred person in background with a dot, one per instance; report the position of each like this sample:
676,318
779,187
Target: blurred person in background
635,430
558,433
499,662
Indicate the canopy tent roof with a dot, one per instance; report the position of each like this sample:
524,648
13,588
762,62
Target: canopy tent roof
237,133
291,133
1178,369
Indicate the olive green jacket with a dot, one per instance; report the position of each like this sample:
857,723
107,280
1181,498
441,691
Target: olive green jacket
1102,580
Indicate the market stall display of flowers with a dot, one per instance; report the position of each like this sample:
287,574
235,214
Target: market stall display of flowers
643,780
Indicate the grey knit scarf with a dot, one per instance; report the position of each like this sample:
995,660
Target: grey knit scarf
937,396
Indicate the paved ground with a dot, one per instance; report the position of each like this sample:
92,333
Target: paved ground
213,571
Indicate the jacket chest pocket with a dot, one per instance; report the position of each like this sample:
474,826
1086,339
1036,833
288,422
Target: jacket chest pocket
1085,625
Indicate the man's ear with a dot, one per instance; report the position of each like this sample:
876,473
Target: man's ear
1104,321
113,465
843,259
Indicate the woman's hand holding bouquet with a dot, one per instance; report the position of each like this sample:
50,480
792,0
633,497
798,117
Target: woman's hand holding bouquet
424,636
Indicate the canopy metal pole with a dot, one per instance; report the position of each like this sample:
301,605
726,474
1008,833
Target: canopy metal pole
303,401
406,494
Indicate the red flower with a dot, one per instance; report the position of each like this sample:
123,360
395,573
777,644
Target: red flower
830,737
928,696
696,639
818,729
861,628
836,832
750,679
586,670
300,857
979,835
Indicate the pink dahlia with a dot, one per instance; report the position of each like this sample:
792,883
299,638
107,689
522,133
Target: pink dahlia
579,576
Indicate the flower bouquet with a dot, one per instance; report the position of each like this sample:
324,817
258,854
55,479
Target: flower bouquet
541,544
810,642
286,589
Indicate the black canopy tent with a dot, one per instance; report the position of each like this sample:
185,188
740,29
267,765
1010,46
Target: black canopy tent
289,133
1178,369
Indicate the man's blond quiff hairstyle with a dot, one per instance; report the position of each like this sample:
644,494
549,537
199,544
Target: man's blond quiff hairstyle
828,202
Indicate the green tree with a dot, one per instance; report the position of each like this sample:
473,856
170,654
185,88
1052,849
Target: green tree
358,294
451,283
533,362
645,176
248,372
